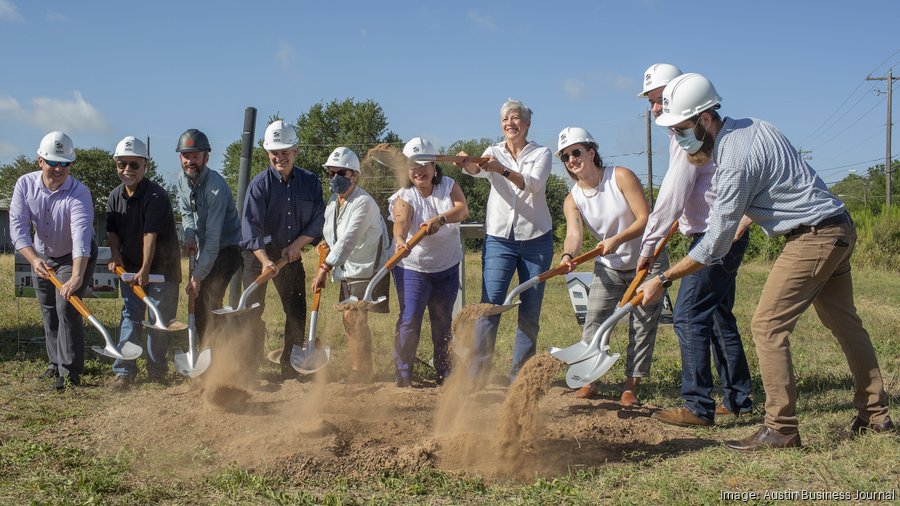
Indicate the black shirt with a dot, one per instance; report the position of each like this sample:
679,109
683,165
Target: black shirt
147,211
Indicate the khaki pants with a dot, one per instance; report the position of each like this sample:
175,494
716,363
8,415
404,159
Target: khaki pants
814,268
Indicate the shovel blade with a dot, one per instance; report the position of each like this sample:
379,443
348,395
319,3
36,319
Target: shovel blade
127,351
274,356
576,353
173,326
588,371
183,363
500,309
309,361
228,310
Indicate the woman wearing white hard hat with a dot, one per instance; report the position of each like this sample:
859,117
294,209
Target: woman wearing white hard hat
359,245
610,202
519,232
429,276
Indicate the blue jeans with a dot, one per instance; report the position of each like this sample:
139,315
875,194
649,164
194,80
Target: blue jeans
416,291
165,296
500,259
702,318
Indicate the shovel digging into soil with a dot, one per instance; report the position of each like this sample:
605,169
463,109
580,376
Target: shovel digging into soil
128,351
158,323
582,350
311,359
191,364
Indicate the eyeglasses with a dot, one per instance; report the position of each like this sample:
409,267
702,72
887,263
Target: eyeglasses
576,153
54,164
681,131
342,173
121,165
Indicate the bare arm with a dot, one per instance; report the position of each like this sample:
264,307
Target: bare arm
402,221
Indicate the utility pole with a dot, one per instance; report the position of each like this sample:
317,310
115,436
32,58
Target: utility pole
887,157
649,160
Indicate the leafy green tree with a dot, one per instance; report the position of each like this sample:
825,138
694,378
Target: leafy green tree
11,172
866,192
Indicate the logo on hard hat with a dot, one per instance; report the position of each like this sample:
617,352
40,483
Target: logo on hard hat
416,149
59,147
337,156
665,104
276,135
128,145
189,142
562,137
648,78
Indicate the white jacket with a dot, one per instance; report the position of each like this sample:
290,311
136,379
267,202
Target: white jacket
357,236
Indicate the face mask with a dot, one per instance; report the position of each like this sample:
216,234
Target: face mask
339,184
688,141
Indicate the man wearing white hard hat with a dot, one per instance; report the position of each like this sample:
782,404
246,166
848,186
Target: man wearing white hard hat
140,225
358,245
61,211
703,316
762,176
212,229
283,212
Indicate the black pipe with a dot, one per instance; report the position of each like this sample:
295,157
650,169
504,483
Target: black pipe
243,180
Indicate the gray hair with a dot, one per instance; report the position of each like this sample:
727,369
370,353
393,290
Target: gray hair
511,105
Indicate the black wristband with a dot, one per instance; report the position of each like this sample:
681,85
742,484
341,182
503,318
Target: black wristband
571,256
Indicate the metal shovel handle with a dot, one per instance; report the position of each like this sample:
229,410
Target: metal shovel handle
641,274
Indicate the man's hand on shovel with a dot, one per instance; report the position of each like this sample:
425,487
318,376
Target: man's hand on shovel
653,291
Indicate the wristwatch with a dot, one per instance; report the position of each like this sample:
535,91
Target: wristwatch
666,282
505,172
442,219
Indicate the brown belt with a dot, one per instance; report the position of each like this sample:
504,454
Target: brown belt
839,219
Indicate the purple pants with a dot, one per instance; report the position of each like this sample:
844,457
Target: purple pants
416,291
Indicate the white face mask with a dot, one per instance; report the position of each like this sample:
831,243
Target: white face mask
688,141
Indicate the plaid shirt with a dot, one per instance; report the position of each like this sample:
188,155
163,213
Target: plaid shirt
761,175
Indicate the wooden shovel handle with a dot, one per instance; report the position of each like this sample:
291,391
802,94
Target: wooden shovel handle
460,159
135,287
562,269
410,244
268,274
641,274
73,299
322,249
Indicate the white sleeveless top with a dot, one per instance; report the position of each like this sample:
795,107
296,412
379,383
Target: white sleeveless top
606,213
437,252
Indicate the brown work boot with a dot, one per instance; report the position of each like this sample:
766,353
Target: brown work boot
628,399
765,438
682,417
121,383
860,426
586,392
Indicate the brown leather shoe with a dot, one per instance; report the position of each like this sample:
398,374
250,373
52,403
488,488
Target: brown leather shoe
765,438
586,392
721,410
682,417
859,426
628,399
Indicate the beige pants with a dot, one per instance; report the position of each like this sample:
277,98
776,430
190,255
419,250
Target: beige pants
814,268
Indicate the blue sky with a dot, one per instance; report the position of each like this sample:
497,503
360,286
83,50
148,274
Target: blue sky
103,70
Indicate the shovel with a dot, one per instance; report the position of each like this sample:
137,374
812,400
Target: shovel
311,359
129,351
191,364
589,370
173,326
423,158
394,260
583,350
540,278
260,280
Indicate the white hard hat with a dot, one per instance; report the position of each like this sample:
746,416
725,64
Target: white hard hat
57,147
280,135
344,158
574,135
131,146
418,146
686,96
657,76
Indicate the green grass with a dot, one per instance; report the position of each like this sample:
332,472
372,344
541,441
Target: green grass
46,458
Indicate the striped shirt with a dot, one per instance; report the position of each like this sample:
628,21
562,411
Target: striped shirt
686,194
63,219
761,175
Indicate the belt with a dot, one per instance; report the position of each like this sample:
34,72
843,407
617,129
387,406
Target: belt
831,221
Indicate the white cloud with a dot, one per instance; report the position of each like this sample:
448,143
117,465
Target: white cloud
8,150
621,82
484,22
285,55
10,107
56,16
9,12
68,115
575,88
363,33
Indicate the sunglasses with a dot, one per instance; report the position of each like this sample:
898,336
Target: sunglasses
54,164
681,131
131,165
342,173
576,153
